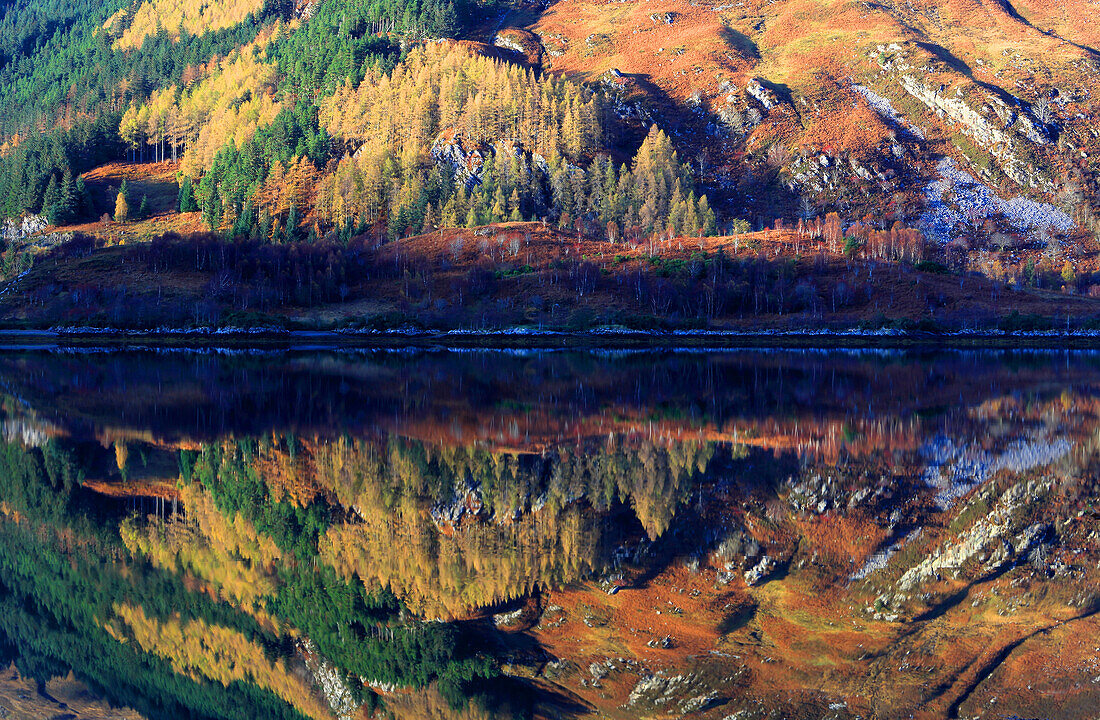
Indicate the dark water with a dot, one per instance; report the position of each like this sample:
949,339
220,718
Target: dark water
478,534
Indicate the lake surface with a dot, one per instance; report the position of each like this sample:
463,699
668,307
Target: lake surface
482,534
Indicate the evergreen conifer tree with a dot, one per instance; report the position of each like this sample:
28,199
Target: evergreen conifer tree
187,196
292,229
85,205
68,202
50,200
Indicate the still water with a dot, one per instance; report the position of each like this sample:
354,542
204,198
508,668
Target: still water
489,534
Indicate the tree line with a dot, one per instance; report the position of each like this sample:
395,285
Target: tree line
61,72
448,138
107,613
42,174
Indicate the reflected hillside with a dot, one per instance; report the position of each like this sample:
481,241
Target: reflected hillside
521,400
369,533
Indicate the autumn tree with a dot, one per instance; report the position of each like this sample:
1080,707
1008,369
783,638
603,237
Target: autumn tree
1069,275
122,203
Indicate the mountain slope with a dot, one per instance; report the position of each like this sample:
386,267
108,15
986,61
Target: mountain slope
968,122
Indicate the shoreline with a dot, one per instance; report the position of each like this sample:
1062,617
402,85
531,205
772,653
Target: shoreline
522,338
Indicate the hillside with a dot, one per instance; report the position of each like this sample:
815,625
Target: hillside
64,697
517,276
876,137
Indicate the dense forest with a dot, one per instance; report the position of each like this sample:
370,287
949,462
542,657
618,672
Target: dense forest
275,540
510,147
372,511
131,624
292,126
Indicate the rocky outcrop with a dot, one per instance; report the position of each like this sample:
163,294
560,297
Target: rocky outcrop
523,42
466,159
15,230
509,619
763,95
760,571
954,106
996,125
680,694
330,681
734,117
553,44
993,541
449,150
999,142
507,42
466,499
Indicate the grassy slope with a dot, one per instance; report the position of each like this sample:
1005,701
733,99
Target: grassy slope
807,641
65,697
809,53
155,181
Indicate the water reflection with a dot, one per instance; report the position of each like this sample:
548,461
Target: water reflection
490,534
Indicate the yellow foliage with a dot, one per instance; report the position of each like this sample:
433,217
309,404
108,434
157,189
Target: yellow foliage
428,704
438,570
445,89
294,186
236,535
122,452
122,214
1069,275
131,26
227,553
482,564
235,97
201,650
395,543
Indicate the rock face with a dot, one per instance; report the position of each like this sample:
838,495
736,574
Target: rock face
760,571
524,42
683,693
15,230
329,681
762,94
466,499
886,110
997,125
553,44
449,150
508,619
999,536
954,106
507,42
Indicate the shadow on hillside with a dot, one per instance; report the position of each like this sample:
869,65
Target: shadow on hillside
781,90
958,65
759,197
740,42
